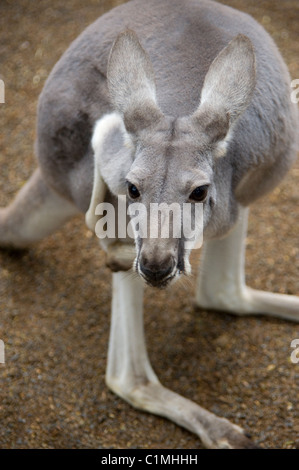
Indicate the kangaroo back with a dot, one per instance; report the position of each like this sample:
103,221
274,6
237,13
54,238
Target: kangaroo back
181,38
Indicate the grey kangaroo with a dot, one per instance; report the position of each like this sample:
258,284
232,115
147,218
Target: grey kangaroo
164,101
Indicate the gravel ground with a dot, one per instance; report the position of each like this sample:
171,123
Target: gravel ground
55,298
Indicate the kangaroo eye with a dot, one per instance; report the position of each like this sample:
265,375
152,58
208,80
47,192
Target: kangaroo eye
133,191
199,194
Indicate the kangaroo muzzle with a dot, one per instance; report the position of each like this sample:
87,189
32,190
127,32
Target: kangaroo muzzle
157,267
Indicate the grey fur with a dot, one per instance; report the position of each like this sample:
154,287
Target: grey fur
201,97
181,38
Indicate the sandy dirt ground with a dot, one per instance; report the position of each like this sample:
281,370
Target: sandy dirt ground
55,298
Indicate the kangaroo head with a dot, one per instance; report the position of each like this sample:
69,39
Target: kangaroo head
166,163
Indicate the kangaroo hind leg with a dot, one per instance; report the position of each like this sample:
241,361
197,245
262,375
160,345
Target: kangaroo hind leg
221,282
36,212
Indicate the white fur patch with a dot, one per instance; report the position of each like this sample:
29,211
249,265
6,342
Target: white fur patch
221,147
102,127
105,125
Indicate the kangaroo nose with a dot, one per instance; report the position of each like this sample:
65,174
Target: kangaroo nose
156,271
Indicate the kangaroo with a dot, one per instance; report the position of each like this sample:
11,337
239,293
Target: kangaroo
163,101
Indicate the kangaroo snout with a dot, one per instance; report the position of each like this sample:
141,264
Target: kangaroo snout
157,270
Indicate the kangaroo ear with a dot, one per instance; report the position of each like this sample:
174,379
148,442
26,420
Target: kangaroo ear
227,90
131,83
